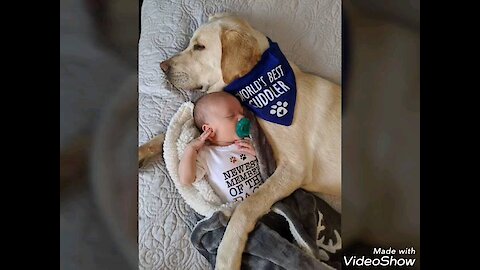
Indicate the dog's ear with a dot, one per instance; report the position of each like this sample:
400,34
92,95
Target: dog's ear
240,54
217,16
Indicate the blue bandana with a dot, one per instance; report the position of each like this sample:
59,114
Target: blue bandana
269,90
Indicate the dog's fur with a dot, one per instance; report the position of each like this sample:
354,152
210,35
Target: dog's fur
308,152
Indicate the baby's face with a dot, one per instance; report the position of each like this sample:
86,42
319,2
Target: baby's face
223,118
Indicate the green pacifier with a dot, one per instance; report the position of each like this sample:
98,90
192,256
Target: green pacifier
243,128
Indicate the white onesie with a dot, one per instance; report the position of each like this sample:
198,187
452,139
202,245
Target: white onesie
233,175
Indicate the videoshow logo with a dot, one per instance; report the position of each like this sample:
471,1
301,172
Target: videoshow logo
388,258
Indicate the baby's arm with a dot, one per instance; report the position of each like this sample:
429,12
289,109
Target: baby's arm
187,166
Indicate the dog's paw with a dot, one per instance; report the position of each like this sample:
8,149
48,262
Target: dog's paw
280,109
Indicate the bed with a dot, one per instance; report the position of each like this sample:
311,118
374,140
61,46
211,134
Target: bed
309,34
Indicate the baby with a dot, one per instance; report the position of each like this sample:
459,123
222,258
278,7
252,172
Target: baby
220,153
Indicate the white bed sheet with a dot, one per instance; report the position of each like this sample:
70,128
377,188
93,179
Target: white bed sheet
309,34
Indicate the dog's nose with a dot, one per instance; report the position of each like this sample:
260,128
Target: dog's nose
165,65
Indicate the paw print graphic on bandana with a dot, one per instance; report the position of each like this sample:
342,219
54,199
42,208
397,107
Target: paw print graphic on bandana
233,159
280,108
243,157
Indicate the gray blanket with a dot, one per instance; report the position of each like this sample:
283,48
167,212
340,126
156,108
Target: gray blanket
300,232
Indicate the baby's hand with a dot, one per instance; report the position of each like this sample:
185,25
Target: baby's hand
199,142
246,146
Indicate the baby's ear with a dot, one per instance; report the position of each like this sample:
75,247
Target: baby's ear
205,127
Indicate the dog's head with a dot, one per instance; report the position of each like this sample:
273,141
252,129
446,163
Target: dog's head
223,49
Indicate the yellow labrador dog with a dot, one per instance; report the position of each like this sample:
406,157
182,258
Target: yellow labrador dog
307,153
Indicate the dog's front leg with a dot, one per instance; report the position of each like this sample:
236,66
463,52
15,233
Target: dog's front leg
278,186
150,149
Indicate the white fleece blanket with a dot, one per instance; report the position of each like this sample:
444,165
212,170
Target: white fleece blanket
309,34
200,196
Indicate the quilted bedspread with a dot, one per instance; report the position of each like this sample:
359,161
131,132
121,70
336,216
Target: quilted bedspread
309,34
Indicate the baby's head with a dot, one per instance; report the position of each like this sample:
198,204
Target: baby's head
220,112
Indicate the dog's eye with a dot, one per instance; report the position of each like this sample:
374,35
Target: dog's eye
198,47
